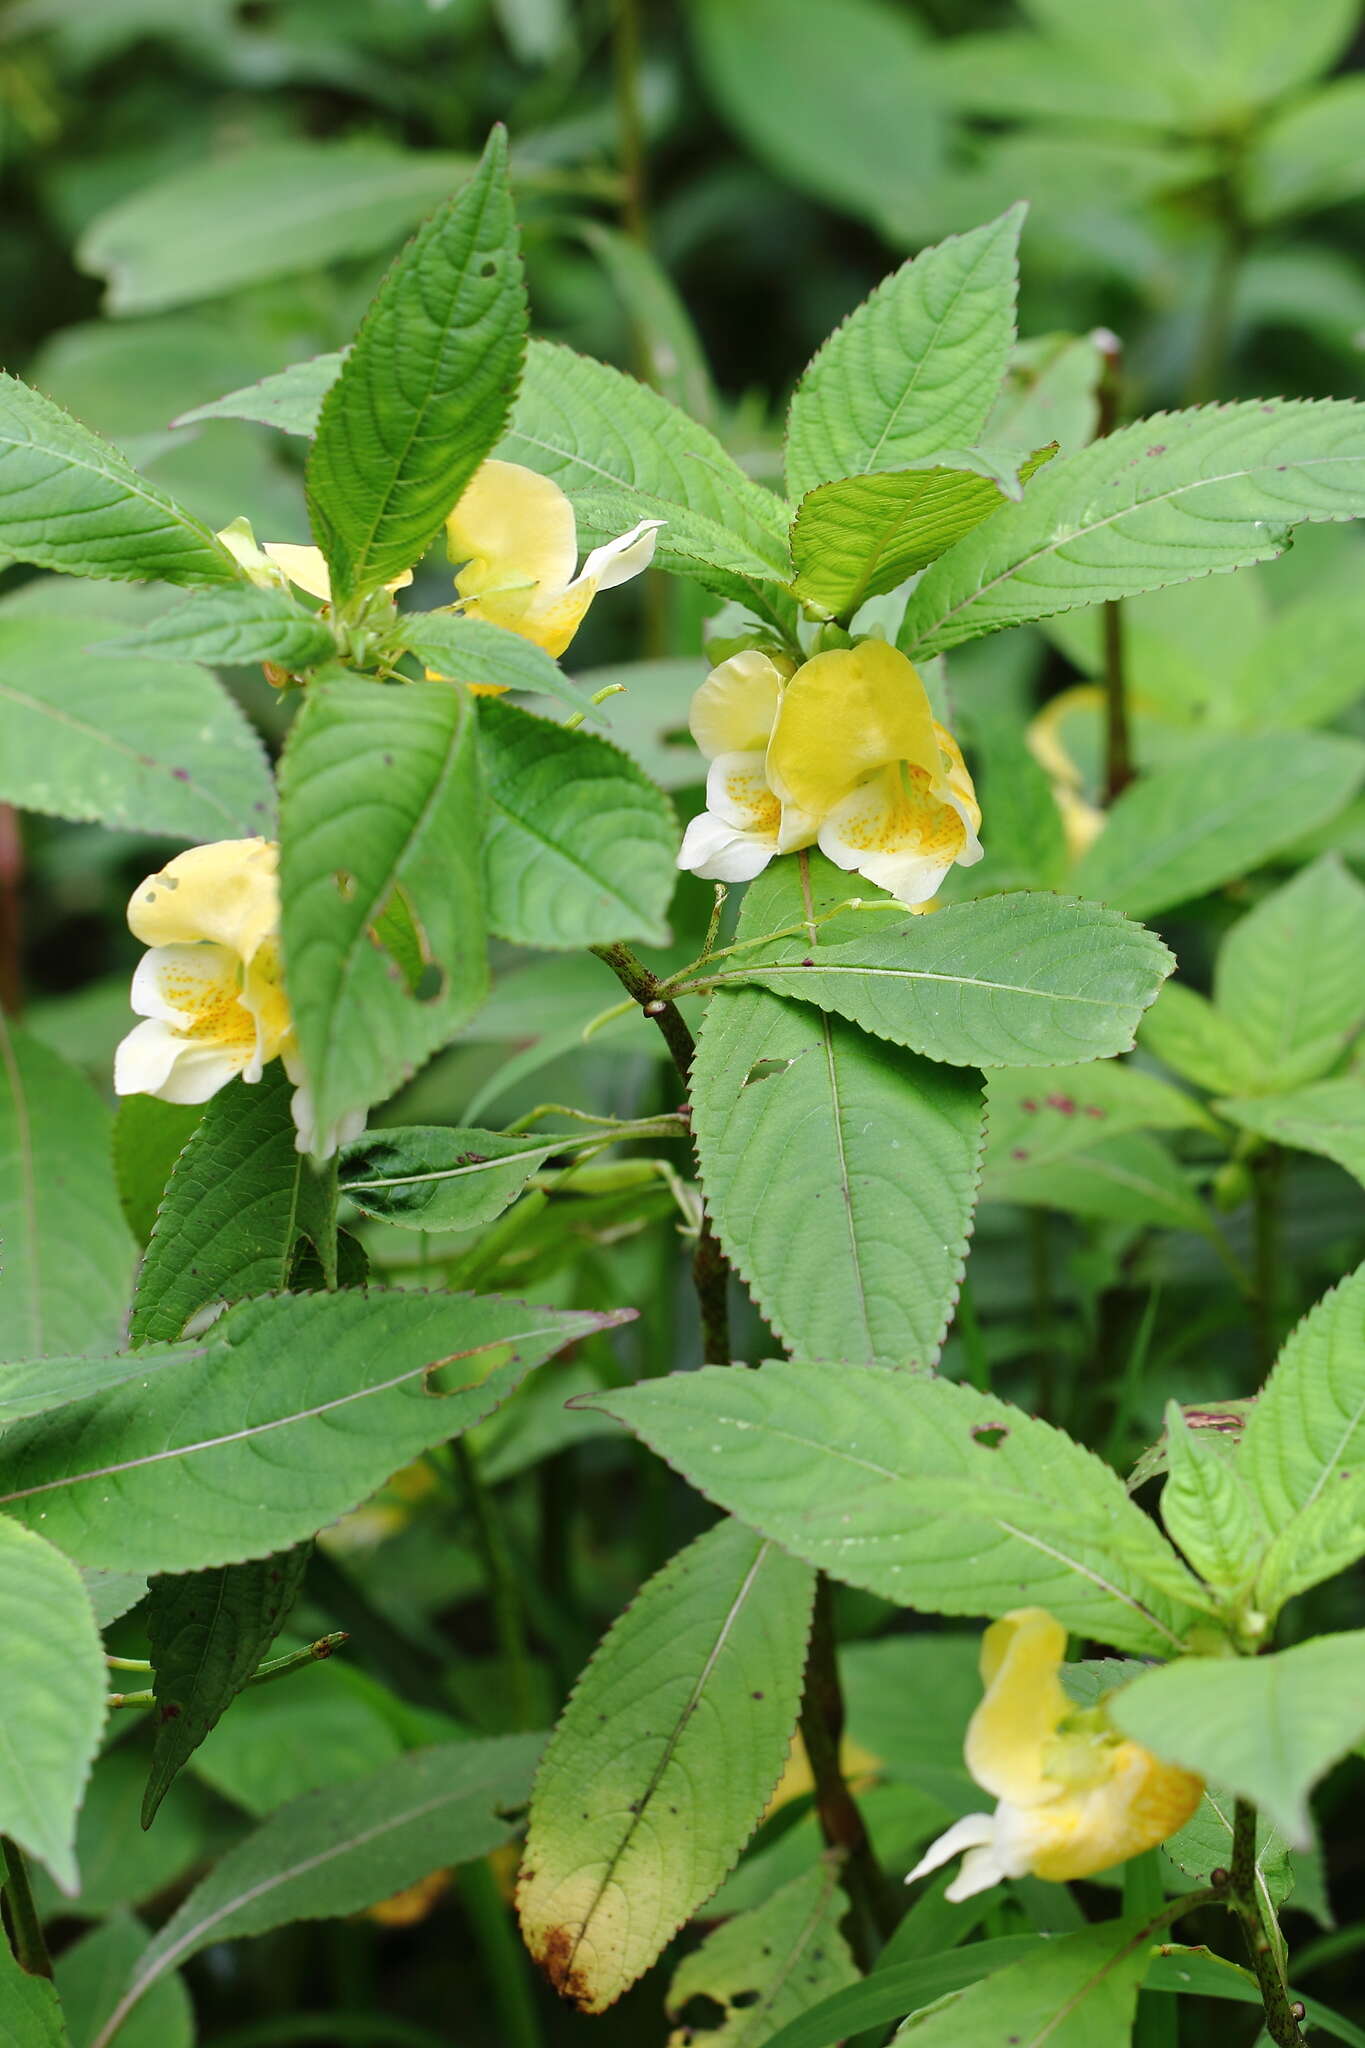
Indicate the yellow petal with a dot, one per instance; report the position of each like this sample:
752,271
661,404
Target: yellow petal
734,710
844,714
1021,1659
305,566
1046,740
895,830
1139,1804
549,623
226,892
513,526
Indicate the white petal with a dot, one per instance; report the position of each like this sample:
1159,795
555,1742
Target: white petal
618,560
737,791
973,1831
155,1060
308,1138
178,983
717,852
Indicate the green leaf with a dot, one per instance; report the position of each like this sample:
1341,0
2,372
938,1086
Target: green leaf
68,1255
915,369
290,400
287,1413
474,651
91,1973
581,846
30,2013
623,454
1307,155
888,1994
54,1661
1036,1116
1010,980
124,740
208,1631
1049,392
425,390
1292,972
1230,806
269,210
663,1761
766,1967
675,359
112,1594
1072,1992
1328,1117
1027,840
380,811
931,1494
1195,1971
328,1725
1208,1508
1204,1845
862,535
1266,1727
1131,1178
1199,1042
149,1136
231,628
37,1386
430,1177
336,1852
1169,498
239,1199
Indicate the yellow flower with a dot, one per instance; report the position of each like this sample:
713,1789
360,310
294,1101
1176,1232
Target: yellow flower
1082,821
277,562
515,532
1073,1796
744,823
210,989
856,747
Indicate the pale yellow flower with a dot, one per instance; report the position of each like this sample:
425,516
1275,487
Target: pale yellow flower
1082,821
210,989
856,747
274,563
1073,1795
516,534
744,823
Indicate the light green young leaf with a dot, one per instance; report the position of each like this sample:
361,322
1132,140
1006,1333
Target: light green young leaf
1131,1178
1230,806
1204,1845
1326,1537
1010,980
1186,1971
269,210
290,400
624,454
1035,1116
90,1975
1049,392
1292,971
55,1684
231,628
287,1413
125,741
1208,1508
30,2011
336,1852
70,501
916,368
1073,1992
430,1177
1198,1042
580,844
380,814
474,651
781,1959
929,1493
1306,1433
1169,498
112,1594
1266,1727
68,1254
663,1761
239,1200
425,390
1327,1117
1307,155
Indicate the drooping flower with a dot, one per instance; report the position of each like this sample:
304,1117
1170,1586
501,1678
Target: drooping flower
516,534
210,989
856,747
1074,1796
745,823
1082,821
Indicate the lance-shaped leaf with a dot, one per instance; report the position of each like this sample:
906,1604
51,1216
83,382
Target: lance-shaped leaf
1298,1022
54,1687
380,815
432,1177
285,1415
931,1494
208,1631
71,501
475,651
916,368
1266,1727
663,1761
765,1967
231,628
1207,819
425,390
580,844
1159,502
68,1255
338,1851
90,1975
124,741
1328,1118
290,400
1070,1993
239,1199
898,1988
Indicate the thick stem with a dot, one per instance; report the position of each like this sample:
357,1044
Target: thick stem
1281,2021
504,1592
710,1269
841,1822
25,1926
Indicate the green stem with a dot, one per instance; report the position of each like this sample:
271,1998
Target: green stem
1281,2020
1118,745
25,1926
1044,1335
278,1667
710,1269
504,1593
1265,1204
1215,330
504,1959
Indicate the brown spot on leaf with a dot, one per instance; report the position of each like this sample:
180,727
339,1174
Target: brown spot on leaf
1063,1104
556,1959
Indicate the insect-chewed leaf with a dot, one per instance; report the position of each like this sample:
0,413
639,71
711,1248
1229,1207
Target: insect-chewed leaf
1208,1508
767,1966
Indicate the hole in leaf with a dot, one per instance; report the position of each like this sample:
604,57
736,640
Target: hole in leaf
990,1435
764,1070
488,268
430,982
740,2000
345,885
701,2015
454,1375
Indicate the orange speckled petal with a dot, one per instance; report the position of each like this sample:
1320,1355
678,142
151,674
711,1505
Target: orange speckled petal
844,714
